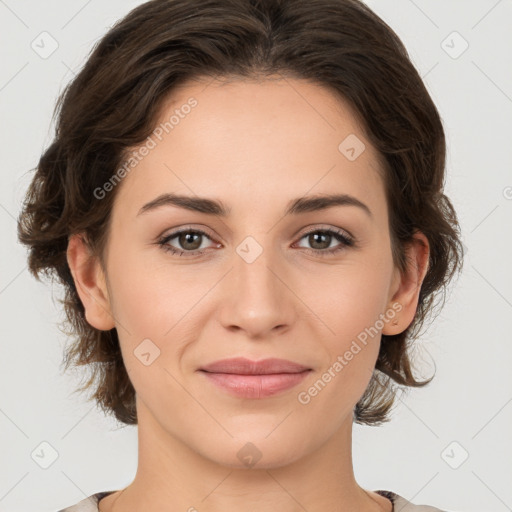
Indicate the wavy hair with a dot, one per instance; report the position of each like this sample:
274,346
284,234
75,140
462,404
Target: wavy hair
113,102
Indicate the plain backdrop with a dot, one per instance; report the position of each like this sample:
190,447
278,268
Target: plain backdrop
448,444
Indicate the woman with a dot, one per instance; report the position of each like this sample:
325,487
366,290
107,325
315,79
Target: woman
244,203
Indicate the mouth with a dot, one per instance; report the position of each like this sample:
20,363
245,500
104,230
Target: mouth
255,379
243,366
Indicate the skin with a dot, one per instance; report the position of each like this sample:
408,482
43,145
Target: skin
255,145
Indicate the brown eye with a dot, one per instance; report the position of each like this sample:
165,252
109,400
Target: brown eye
188,240
320,241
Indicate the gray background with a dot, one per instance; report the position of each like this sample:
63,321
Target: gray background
466,410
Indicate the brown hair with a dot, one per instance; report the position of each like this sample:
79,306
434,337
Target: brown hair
112,104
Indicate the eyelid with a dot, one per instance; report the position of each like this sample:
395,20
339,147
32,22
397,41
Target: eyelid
312,228
164,238
315,227
187,227
345,240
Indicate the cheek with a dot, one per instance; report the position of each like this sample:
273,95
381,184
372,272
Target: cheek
150,308
353,314
351,306
350,297
149,297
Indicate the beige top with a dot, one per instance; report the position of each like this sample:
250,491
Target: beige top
400,504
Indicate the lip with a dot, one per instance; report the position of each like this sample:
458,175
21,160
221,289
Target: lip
244,366
244,378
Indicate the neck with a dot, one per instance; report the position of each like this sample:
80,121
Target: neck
171,476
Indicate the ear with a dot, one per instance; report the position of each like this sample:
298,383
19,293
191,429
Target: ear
90,283
407,285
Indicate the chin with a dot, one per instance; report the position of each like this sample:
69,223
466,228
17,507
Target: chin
255,452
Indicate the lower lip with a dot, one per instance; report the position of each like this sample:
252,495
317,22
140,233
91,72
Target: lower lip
256,386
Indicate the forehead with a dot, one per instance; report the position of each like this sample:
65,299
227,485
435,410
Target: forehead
248,139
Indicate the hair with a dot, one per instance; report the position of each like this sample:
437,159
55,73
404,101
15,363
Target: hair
112,105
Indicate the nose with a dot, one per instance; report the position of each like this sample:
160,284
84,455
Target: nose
256,297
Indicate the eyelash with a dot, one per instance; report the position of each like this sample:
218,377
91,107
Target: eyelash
345,239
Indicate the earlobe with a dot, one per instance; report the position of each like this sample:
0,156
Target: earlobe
90,283
409,285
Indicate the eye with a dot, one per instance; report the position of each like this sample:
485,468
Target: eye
321,239
190,240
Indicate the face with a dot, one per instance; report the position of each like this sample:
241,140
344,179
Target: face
258,282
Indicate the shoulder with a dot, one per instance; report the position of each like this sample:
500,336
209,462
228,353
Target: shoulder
400,504
89,504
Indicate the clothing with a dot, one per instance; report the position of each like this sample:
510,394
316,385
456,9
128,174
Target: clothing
400,504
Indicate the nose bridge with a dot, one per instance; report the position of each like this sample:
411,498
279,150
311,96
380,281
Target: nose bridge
257,300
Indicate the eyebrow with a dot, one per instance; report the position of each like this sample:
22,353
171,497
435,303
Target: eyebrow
218,209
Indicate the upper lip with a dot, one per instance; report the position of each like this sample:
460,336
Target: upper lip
243,366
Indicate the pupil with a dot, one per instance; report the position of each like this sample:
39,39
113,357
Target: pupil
184,240
314,237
